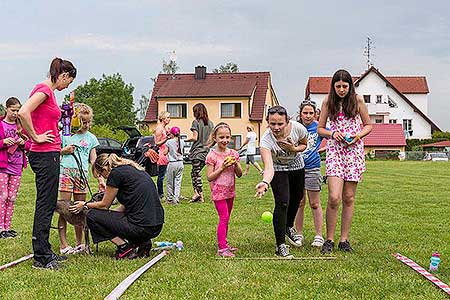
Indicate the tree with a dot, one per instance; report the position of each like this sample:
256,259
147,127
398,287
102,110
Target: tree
143,105
228,68
110,98
2,110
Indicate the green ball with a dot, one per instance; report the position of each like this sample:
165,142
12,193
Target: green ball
267,217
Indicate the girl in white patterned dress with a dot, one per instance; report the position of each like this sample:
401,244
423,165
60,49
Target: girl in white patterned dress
349,123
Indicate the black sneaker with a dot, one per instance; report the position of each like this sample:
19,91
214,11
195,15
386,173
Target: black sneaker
59,258
282,251
327,247
5,235
125,251
52,265
143,250
345,246
293,238
12,233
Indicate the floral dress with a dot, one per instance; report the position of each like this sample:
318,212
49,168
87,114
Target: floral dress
345,161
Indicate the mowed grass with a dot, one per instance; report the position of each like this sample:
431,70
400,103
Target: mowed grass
400,207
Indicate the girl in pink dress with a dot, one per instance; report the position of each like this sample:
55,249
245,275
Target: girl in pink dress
222,166
349,123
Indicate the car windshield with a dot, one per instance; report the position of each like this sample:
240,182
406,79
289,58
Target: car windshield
438,155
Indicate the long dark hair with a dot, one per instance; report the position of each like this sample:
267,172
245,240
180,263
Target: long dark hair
349,103
60,66
10,102
200,113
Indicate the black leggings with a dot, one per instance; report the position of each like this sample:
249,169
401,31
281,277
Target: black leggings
287,187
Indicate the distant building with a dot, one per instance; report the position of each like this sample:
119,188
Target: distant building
390,100
235,98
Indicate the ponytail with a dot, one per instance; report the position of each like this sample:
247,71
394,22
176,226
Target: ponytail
59,66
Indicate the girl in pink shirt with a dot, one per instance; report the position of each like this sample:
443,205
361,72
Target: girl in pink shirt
12,161
222,166
40,116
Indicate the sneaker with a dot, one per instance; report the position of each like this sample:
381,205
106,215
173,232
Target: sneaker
12,233
327,247
233,249
225,253
143,250
79,249
59,258
52,265
125,251
4,235
318,241
345,246
293,238
67,250
282,251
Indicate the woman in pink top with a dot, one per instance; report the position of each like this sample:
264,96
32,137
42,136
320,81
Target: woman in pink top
222,166
40,116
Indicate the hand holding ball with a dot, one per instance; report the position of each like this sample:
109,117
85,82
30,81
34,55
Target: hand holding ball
267,217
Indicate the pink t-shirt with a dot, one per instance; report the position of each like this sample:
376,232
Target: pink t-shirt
163,160
46,117
223,186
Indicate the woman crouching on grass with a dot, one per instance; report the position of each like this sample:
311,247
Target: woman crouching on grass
138,219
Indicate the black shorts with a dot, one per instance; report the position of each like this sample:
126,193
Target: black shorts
250,159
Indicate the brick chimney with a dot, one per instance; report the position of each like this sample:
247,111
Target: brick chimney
200,72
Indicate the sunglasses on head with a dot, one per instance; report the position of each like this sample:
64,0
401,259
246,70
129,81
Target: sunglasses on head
277,110
308,102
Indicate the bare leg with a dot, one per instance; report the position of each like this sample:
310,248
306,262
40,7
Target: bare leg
300,216
314,202
335,186
79,228
247,168
256,165
62,224
348,207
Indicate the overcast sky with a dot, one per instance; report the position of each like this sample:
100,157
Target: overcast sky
291,39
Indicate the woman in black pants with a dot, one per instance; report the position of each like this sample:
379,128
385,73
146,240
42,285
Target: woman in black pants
40,116
138,219
280,147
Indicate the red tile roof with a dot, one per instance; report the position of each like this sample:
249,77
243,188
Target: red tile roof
405,84
382,135
385,135
437,144
214,85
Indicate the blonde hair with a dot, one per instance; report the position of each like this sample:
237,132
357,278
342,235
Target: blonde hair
251,127
85,110
105,162
211,141
163,115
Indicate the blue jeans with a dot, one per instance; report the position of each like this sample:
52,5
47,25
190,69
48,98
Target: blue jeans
160,182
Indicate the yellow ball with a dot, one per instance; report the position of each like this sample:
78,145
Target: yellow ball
267,216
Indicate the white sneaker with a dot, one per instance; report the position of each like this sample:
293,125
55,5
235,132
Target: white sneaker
80,248
67,250
318,241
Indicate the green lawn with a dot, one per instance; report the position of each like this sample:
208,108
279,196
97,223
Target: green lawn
400,207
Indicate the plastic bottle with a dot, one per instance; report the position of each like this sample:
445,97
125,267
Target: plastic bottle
434,261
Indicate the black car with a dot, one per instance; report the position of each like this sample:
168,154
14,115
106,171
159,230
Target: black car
108,145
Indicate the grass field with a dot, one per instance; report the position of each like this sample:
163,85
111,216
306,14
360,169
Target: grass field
400,207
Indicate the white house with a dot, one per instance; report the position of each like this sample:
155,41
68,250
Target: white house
393,100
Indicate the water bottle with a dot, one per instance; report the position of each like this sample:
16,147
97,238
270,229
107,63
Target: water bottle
434,261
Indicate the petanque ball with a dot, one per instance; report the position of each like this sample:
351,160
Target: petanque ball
267,217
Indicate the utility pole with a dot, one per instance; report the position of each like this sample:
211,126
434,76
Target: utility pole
367,52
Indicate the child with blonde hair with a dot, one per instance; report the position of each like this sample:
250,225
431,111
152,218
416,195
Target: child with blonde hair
78,150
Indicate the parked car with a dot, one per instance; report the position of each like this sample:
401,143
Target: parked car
108,145
436,156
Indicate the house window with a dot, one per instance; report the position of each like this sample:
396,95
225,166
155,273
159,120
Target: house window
378,121
407,127
178,110
392,103
235,142
379,97
367,98
230,110
393,121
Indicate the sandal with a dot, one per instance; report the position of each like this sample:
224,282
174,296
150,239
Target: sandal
198,198
67,250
